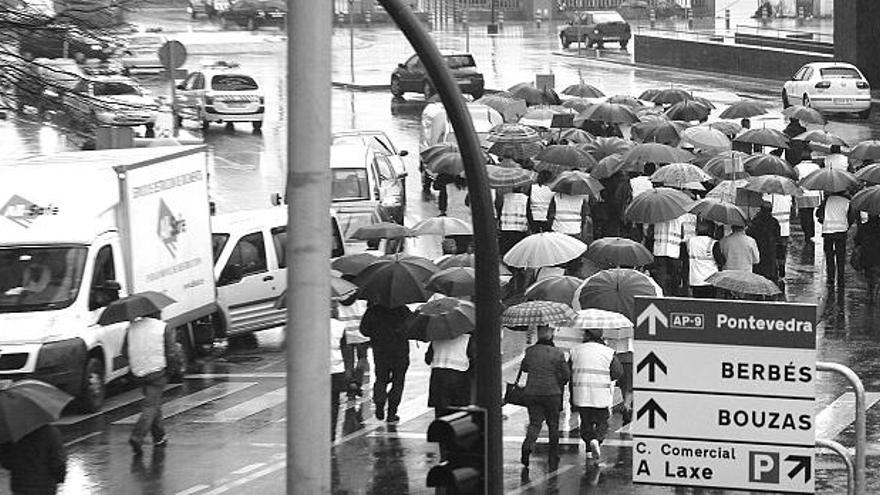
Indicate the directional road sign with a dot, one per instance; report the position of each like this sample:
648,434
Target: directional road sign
723,394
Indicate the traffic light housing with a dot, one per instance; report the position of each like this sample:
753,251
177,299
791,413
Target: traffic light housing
462,439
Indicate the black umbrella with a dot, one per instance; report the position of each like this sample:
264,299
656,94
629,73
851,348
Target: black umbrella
134,306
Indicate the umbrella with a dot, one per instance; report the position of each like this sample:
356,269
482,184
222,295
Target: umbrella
352,264
583,90
395,282
579,104
340,289
560,157
435,150
669,96
719,212
442,319
773,184
570,135
504,177
611,113
821,136
381,230
614,289
534,96
455,282
576,183
449,162
867,200
743,110
26,405
767,164
444,226
544,249
763,137
559,288
136,305
830,180
706,138
679,173
743,282
600,319
453,260
658,205
538,116
730,129
726,190
601,147
627,100
657,131
688,110
511,109
649,94
728,165
513,133
806,115
870,174
866,151
536,313
656,153
607,167
619,251
517,151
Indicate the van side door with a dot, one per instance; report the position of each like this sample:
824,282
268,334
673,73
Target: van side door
106,285
246,288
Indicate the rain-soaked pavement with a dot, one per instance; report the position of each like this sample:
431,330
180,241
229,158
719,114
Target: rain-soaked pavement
227,419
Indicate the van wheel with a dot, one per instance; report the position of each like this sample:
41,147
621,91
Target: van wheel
92,391
257,125
395,87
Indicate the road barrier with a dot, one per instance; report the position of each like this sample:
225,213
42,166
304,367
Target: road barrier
844,454
857,476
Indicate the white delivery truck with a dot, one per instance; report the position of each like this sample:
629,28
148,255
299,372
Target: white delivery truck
82,229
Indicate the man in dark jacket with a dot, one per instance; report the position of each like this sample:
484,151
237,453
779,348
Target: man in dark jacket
765,230
36,463
386,328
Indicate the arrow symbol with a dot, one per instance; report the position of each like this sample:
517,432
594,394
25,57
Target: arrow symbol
652,315
652,362
803,464
652,409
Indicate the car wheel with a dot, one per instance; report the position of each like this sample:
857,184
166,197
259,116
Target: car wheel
230,126
565,41
395,87
477,94
427,89
257,125
624,43
251,24
785,103
92,390
865,114
806,99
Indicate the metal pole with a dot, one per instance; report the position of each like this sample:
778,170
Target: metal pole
351,38
175,129
488,333
861,435
844,454
308,299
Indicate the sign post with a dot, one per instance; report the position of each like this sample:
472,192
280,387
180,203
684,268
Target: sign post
172,55
724,394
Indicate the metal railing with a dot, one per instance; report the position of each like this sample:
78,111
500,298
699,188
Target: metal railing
684,34
785,34
856,466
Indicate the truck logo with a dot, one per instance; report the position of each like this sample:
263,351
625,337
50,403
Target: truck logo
169,227
23,211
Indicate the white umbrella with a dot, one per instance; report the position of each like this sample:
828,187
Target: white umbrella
544,249
444,226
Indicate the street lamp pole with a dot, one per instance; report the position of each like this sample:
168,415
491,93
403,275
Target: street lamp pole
492,28
351,38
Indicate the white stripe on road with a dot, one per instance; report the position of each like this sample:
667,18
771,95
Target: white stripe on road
837,416
121,400
247,479
195,489
83,438
252,376
249,468
248,408
192,401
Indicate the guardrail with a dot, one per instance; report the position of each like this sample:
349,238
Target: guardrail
856,466
785,34
684,34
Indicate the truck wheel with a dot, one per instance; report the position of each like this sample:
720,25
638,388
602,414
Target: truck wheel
224,22
92,391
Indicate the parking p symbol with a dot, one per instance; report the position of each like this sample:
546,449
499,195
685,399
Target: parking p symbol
764,467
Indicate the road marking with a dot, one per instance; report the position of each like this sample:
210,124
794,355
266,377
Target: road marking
121,400
209,376
83,438
837,416
249,468
248,408
538,482
192,401
195,489
247,479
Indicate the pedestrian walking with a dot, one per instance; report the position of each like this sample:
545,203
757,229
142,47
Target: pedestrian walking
149,350
513,222
450,384
338,372
808,202
569,214
439,184
704,258
37,462
546,375
594,369
386,328
764,229
740,251
781,208
354,351
540,196
618,194
668,238
836,216
867,250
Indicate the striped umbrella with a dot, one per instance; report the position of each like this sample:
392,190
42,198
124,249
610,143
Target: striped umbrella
679,173
619,251
743,282
560,158
719,212
504,177
513,133
559,288
437,149
544,249
516,151
536,313
600,319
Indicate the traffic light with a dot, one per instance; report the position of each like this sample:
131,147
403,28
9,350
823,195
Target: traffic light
462,439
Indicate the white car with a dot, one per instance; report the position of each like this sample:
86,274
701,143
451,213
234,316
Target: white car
113,100
221,93
379,141
141,52
829,87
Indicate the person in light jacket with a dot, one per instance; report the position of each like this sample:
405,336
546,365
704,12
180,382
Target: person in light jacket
149,350
594,369
450,383
546,375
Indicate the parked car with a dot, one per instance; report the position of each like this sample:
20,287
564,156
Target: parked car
113,100
140,52
829,87
57,76
254,14
54,41
595,28
379,142
221,93
411,77
359,176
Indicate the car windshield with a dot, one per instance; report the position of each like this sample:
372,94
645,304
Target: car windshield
460,61
40,278
349,184
840,72
233,82
115,89
599,17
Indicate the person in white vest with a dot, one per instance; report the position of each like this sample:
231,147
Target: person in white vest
540,196
149,349
781,209
704,258
354,352
594,369
569,214
450,383
836,216
513,219
338,375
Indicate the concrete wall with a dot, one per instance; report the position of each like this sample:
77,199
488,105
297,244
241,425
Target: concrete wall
719,57
856,35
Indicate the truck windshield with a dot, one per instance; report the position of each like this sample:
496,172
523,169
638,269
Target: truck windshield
40,278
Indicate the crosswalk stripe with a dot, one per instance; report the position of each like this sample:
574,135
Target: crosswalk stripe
248,408
837,416
192,401
121,400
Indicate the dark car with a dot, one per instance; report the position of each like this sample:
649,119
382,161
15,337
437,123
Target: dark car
412,77
254,14
596,27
